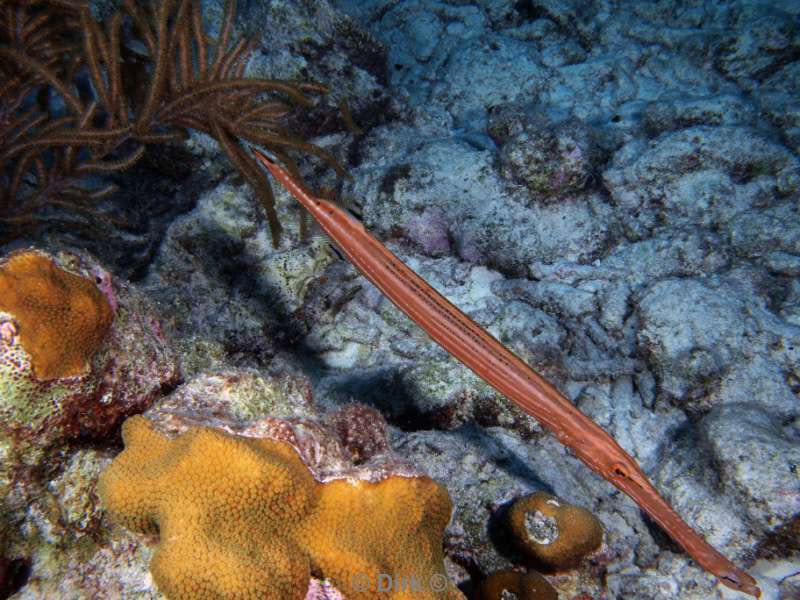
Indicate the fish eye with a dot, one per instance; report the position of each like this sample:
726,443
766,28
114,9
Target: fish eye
619,470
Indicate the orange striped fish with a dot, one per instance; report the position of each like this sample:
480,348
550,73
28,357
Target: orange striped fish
507,373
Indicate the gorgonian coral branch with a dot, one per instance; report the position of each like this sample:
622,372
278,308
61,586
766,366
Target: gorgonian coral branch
193,81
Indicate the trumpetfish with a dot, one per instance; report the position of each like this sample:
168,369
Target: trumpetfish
507,373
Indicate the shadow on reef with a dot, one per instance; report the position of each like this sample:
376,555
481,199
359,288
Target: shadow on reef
151,195
221,256
14,573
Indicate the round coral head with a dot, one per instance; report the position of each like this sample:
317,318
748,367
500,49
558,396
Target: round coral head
551,532
507,584
61,317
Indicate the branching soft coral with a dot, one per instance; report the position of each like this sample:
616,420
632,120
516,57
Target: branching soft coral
79,101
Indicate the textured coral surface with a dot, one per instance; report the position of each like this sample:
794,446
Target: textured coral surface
508,584
244,518
552,532
69,367
61,317
661,292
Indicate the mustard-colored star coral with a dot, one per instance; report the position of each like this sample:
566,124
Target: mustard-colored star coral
61,318
244,518
551,532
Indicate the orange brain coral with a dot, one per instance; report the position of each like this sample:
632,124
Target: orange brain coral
61,318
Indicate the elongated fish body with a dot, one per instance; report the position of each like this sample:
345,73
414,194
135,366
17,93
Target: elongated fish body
507,373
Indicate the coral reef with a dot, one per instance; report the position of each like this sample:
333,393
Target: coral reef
362,430
46,485
551,532
692,111
244,517
350,442
60,318
552,161
66,370
507,584
13,573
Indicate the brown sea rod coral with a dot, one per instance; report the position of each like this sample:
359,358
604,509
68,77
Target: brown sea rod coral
55,129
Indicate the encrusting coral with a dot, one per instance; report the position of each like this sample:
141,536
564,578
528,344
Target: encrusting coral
362,430
551,532
78,353
245,518
60,318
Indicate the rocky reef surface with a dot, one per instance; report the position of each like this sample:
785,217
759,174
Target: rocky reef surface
612,189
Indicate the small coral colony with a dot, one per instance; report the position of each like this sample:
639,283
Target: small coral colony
269,514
